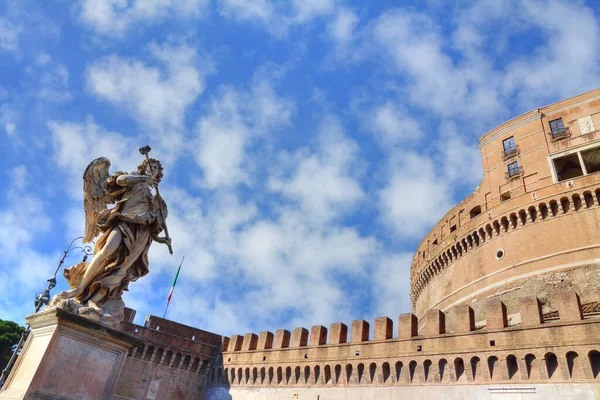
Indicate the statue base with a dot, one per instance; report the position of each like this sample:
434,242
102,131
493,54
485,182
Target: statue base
67,356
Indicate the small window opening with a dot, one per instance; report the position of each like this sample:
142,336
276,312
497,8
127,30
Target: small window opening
193,337
419,348
229,359
492,343
475,211
357,353
158,328
435,242
264,358
306,355
567,167
452,228
505,196
557,128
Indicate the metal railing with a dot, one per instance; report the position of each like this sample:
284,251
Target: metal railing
510,152
513,173
559,134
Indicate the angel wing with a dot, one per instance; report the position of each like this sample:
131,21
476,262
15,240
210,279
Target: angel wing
95,197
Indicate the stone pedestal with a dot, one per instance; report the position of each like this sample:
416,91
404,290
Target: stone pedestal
68,357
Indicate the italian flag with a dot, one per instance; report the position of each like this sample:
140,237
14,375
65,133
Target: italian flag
174,282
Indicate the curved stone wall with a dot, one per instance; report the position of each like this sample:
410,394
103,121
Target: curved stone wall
544,235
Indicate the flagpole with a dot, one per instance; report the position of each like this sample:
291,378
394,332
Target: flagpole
173,287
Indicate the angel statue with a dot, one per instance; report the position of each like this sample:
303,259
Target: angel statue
126,233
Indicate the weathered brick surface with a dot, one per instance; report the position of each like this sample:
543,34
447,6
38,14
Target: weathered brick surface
338,333
407,326
384,328
464,319
360,331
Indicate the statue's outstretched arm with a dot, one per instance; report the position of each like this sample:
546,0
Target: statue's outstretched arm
131,180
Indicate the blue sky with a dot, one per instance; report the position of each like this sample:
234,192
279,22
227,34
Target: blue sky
308,144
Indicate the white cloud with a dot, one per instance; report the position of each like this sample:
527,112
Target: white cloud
415,196
323,183
77,144
9,35
157,97
8,121
341,28
24,219
569,61
394,126
391,285
233,121
277,17
114,17
47,80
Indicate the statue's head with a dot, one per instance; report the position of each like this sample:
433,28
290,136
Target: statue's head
154,169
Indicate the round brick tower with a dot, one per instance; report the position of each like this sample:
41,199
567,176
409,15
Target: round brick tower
532,227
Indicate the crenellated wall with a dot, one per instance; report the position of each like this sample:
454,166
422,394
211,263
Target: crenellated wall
531,351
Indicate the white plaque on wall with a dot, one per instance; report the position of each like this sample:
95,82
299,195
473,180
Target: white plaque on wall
586,125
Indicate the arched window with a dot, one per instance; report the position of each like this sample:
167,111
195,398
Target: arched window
288,375
511,364
360,371
588,199
442,367
564,202
195,365
492,361
307,375
571,361
576,202
168,358
594,357
543,211
348,373
186,362
551,364
239,376
554,207
148,356
279,376
270,378
297,376
412,367
262,376
254,376
338,373
317,374
372,372
177,360
399,366
475,362
426,369
385,371
139,352
327,374
159,354
459,369
529,364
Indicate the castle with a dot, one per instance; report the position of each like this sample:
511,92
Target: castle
504,293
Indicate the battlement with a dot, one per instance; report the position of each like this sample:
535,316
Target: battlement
529,350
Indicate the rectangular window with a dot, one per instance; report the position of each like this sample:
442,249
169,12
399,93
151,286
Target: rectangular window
510,148
567,167
513,169
452,228
591,159
557,128
505,196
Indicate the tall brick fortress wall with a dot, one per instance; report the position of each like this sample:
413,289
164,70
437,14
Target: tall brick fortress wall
353,364
531,226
